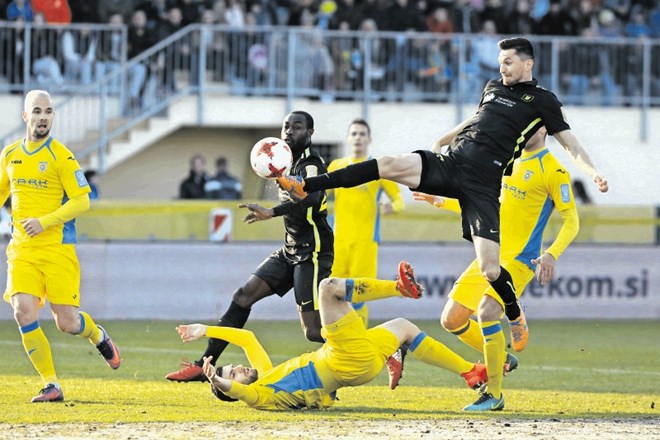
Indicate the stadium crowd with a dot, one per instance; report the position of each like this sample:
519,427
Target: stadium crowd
609,18
398,63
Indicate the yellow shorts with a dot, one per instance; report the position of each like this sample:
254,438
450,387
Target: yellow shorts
356,355
472,285
355,259
47,272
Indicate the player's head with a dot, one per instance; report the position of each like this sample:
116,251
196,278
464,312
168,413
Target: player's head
198,164
236,373
38,114
297,130
358,138
516,60
537,141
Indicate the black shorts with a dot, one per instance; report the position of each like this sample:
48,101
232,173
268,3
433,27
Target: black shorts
281,274
476,189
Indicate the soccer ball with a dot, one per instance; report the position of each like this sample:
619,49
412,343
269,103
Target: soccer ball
271,157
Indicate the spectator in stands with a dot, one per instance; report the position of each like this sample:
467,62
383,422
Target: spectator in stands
375,10
84,11
610,26
486,54
494,11
20,10
404,17
54,11
92,178
438,21
193,186
109,52
235,14
557,21
156,11
520,21
170,60
139,40
191,11
464,17
223,186
638,25
46,70
106,8
79,52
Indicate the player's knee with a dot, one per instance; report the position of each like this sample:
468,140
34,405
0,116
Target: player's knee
24,317
243,298
490,271
489,309
331,287
449,322
66,325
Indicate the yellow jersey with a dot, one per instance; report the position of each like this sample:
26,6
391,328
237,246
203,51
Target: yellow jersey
357,209
41,177
537,184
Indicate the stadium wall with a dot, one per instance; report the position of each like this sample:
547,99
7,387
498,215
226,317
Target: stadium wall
610,134
195,281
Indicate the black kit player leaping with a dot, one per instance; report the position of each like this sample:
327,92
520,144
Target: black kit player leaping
481,151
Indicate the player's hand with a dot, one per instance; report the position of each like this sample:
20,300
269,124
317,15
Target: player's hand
32,226
603,186
191,332
208,368
436,201
545,268
257,212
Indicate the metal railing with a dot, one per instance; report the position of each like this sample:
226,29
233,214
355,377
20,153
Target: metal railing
332,65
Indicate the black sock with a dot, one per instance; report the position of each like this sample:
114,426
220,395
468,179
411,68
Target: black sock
503,285
352,175
236,317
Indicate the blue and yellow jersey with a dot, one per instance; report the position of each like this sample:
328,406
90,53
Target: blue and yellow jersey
302,382
41,177
357,209
537,184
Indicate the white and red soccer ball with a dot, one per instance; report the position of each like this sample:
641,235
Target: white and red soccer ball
271,157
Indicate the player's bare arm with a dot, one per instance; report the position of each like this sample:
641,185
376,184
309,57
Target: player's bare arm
580,157
257,212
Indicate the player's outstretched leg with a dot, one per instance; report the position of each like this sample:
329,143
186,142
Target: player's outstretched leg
50,393
109,350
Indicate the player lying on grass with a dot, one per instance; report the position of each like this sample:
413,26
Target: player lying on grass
351,355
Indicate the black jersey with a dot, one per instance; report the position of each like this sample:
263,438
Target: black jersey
507,117
306,226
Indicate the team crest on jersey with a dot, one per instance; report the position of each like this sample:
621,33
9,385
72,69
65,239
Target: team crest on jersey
527,98
489,97
528,174
43,166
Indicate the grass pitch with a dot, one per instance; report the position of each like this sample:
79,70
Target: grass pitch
592,370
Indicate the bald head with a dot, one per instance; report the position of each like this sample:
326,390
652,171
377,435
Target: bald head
38,114
34,96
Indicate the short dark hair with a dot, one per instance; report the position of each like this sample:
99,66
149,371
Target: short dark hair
220,161
521,46
308,117
361,121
